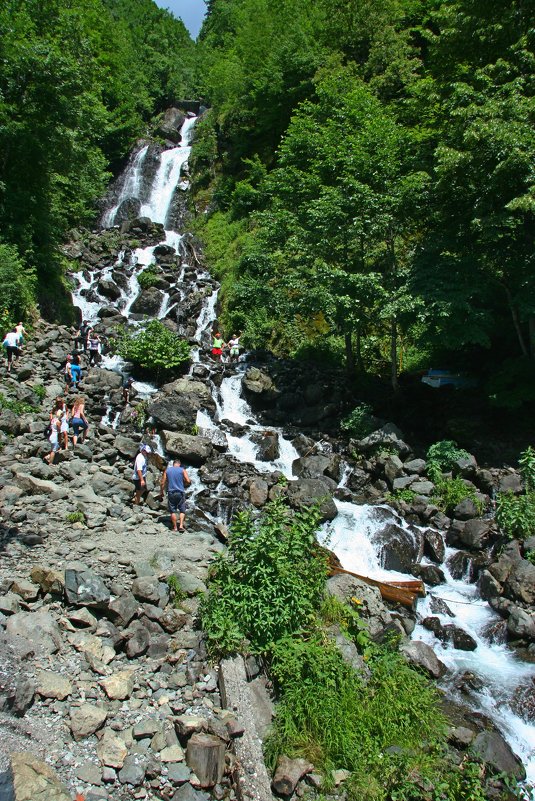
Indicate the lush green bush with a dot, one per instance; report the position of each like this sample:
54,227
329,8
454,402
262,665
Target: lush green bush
515,514
451,491
17,288
527,468
154,348
442,455
270,582
148,278
360,422
383,729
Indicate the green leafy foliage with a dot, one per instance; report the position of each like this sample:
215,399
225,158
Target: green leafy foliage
441,457
75,517
154,348
148,278
270,582
176,591
17,288
451,491
515,514
16,406
360,422
527,468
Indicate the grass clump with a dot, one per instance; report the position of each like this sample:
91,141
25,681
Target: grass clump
177,593
148,278
75,517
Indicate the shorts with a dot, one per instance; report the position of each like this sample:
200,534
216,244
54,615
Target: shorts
54,446
138,485
78,425
217,351
176,502
11,351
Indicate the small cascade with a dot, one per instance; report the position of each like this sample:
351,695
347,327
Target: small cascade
131,186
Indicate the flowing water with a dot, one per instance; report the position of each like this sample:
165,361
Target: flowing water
352,535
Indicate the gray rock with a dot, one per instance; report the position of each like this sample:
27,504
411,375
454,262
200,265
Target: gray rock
423,487
521,624
511,482
193,450
520,583
178,773
21,695
39,628
415,466
307,491
434,546
258,491
148,302
288,773
138,640
389,436
465,510
490,747
393,468
133,771
422,655
188,793
123,609
9,603
475,533
450,633
86,720
403,482
399,547
150,589
371,607
53,685
26,589
86,588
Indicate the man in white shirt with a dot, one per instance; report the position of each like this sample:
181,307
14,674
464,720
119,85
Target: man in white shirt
140,473
11,344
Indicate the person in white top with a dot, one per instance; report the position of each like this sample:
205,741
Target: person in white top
21,333
140,473
11,345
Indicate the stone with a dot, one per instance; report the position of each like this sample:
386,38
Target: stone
421,655
474,534
119,686
53,685
86,720
521,624
48,579
434,546
178,773
461,736
123,609
172,753
465,510
393,468
9,603
205,755
307,491
26,589
86,588
133,771
89,773
186,725
111,750
451,634
92,646
423,487
150,589
399,547
138,640
519,584
415,466
389,436
511,482
146,728
188,793
191,449
258,491
371,607
82,619
34,780
39,628
21,695
288,772
173,619
490,747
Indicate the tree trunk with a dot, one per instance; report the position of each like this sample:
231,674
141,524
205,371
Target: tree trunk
532,337
350,356
394,354
358,350
516,321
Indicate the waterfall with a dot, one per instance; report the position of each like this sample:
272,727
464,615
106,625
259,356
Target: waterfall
131,186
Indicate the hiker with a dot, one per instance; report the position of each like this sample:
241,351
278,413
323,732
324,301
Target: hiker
78,420
217,346
67,372
11,347
76,371
80,339
175,477
234,345
140,473
61,410
93,344
127,386
21,333
55,425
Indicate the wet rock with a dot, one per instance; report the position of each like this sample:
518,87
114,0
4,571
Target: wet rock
318,465
288,773
490,747
268,445
434,546
422,655
148,302
86,588
430,574
521,624
399,547
169,127
488,586
53,685
450,634
259,384
86,720
307,491
475,533
109,289
34,780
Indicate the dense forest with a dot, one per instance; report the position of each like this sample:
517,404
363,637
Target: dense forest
79,79
368,171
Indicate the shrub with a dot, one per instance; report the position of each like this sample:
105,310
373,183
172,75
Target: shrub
451,491
16,406
515,514
527,468
154,348
75,517
270,582
176,591
148,278
17,288
442,455
360,422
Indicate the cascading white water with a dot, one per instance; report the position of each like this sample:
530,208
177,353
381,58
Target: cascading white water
131,186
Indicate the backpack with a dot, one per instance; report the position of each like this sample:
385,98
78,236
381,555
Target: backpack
48,430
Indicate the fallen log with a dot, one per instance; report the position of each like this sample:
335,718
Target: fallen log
400,592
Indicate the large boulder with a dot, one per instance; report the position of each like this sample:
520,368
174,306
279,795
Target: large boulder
308,491
399,547
39,628
174,413
190,449
371,606
268,445
259,386
475,533
170,124
450,634
33,780
490,747
149,301
389,436
317,465
198,394
421,655
520,583
86,588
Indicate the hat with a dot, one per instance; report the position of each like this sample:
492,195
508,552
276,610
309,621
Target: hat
146,448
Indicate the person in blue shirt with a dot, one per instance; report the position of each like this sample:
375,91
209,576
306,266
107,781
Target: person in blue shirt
176,477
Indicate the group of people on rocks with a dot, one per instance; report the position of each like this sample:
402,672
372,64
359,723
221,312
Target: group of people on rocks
219,345
58,429
175,478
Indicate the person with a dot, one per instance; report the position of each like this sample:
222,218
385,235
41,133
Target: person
140,473
67,372
61,410
21,333
55,425
175,477
80,339
78,420
10,343
127,386
234,345
217,346
93,343
76,371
